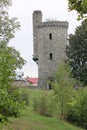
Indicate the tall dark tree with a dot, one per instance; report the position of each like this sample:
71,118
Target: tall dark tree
77,52
80,6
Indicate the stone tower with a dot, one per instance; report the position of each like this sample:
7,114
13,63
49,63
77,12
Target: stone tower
50,40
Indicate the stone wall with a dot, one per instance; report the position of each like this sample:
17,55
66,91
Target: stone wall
51,40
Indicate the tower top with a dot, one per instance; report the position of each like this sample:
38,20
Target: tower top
37,12
54,24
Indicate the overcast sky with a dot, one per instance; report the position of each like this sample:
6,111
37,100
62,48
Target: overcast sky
23,41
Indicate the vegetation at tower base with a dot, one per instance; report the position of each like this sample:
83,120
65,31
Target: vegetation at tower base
77,52
77,109
31,120
43,104
10,60
80,6
63,88
70,101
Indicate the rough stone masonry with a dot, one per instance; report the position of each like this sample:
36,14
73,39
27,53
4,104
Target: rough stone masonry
50,40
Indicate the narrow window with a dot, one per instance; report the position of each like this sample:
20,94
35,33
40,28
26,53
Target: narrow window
51,56
50,36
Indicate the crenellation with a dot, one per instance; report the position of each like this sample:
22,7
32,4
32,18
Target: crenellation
37,12
53,23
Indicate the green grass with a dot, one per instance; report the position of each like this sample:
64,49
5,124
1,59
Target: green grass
30,120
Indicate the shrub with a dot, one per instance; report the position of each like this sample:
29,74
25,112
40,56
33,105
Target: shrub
77,111
63,88
43,104
25,96
12,101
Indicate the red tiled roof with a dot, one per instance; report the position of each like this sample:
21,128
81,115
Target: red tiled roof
32,80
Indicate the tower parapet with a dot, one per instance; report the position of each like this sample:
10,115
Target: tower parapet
54,23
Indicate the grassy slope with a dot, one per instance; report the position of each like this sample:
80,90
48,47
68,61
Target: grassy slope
30,120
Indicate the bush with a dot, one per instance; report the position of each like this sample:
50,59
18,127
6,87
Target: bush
63,88
77,111
12,101
43,104
25,96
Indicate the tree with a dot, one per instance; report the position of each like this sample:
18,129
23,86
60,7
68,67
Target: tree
8,25
77,52
80,6
63,88
10,60
5,3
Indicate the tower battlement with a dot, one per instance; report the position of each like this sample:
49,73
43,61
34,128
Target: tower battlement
37,12
54,23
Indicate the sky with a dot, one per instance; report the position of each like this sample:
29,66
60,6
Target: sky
23,41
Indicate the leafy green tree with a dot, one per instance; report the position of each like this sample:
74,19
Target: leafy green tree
63,88
8,25
10,60
77,52
4,3
80,6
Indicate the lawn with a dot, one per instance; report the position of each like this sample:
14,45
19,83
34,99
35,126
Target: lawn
30,120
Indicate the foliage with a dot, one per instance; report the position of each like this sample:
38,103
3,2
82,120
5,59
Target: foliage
77,52
43,104
80,6
8,25
63,88
10,60
71,102
5,3
11,103
31,120
77,110
25,96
